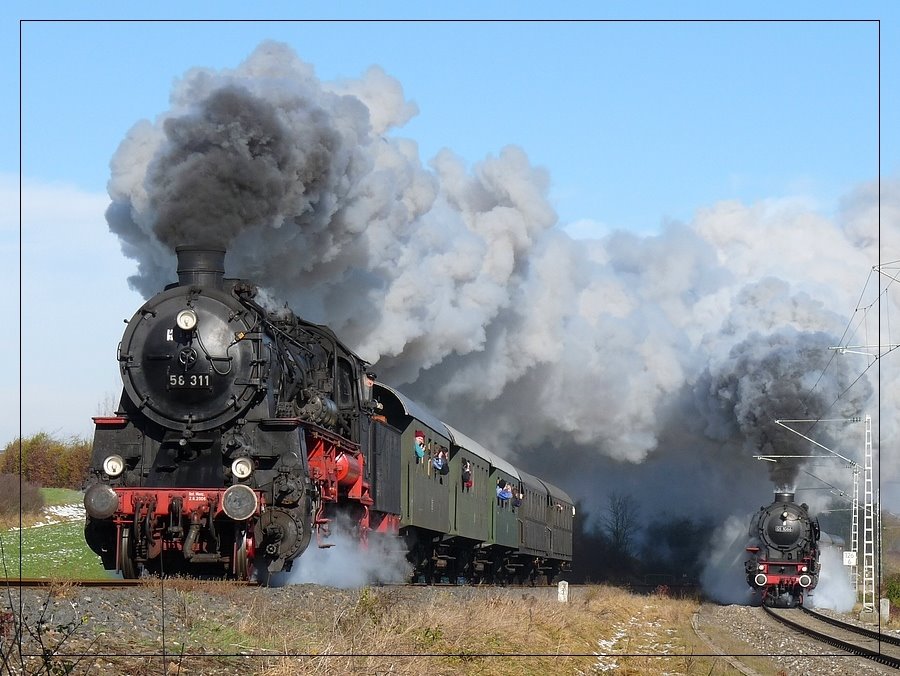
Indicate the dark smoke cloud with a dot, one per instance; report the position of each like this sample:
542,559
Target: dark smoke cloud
776,377
581,358
232,164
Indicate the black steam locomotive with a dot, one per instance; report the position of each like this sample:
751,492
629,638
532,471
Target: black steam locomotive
784,552
242,433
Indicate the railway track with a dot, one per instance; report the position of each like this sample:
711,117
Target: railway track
35,582
29,582
113,582
855,640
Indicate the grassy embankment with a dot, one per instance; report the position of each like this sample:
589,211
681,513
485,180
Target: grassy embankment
497,633
406,631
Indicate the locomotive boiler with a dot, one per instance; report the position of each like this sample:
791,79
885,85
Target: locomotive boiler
243,434
784,552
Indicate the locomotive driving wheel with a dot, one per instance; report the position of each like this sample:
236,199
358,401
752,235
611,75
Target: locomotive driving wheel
244,553
127,562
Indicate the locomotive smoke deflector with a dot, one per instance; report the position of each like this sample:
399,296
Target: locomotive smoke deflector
200,265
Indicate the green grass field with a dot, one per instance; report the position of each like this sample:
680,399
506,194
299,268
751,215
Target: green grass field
61,496
55,551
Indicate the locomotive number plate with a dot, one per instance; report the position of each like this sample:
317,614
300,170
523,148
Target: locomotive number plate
783,529
189,381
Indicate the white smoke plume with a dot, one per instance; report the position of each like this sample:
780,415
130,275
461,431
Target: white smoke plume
835,590
344,563
675,350
723,578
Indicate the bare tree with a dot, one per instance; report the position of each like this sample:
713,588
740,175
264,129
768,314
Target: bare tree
109,404
620,523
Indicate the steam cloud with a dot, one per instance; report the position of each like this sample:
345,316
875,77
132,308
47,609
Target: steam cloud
660,349
835,591
723,578
345,564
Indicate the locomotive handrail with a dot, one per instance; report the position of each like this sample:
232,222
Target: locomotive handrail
339,441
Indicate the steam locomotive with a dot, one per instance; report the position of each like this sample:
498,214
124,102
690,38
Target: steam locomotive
784,552
243,433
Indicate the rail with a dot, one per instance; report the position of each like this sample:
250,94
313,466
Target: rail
852,648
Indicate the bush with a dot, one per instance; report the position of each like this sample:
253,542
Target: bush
47,461
31,499
891,588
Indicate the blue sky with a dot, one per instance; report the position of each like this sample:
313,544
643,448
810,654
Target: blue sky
637,123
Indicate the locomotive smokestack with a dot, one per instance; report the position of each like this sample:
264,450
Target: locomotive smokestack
784,496
200,265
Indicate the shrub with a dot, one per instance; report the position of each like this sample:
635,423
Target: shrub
31,499
891,588
48,461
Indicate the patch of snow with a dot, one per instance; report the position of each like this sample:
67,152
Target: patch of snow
58,514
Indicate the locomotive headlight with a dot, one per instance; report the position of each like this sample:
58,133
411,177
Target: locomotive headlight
100,501
240,502
760,567
113,465
186,320
802,569
242,468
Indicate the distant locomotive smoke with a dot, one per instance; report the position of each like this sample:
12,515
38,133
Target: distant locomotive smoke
675,349
777,377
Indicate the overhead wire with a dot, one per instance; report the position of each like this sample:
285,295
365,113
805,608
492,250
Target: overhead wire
859,319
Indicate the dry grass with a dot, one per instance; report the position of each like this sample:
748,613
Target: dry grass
27,520
383,631
183,583
223,628
63,589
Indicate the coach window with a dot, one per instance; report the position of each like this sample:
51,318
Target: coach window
344,385
504,492
466,476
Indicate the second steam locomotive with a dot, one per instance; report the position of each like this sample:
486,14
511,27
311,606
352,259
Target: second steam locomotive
244,434
784,552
